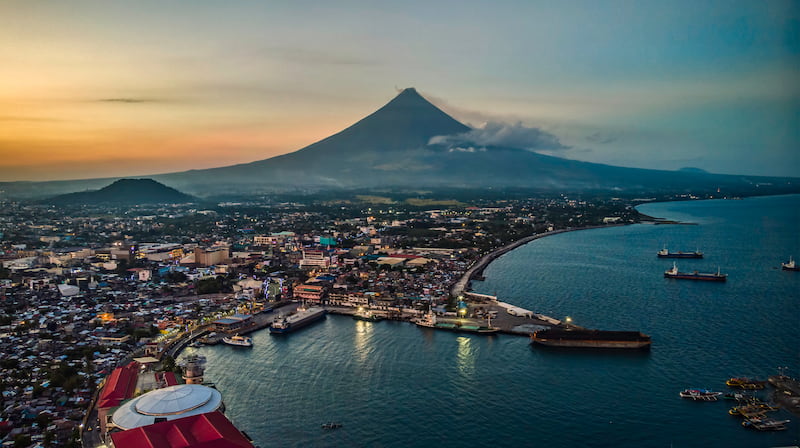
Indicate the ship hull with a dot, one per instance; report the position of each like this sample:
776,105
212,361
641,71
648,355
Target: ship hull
680,255
461,328
593,344
372,318
591,339
699,277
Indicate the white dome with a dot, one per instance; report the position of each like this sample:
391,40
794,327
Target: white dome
170,403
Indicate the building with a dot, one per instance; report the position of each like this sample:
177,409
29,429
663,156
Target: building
234,323
315,258
210,429
212,256
169,403
310,293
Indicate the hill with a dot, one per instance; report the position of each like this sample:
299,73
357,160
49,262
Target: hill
128,192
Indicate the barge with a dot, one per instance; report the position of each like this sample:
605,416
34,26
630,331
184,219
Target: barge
591,339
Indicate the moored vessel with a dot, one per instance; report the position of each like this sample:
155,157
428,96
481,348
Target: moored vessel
704,276
765,424
366,315
302,318
664,253
746,383
700,394
240,341
591,339
429,321
791,265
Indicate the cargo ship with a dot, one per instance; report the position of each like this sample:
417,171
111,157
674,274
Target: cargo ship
664,253
302,318
705,276
590,339
429,321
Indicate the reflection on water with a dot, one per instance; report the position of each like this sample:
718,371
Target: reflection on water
466,356
362,335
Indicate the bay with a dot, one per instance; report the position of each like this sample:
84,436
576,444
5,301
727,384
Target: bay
392,384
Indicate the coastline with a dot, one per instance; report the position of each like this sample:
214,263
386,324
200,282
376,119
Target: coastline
463,284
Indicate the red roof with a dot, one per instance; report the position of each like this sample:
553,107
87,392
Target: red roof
169,378
119,386
209,430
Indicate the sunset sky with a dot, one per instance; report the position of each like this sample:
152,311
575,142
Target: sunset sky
111,88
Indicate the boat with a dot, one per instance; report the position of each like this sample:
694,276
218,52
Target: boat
790,265
706,276
366,315
739,396
302,318
700,394
429,321
664,253
746,383
240,341
765,424
581,338
752,409
331,425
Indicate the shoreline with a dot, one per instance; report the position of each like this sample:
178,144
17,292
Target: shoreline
463,284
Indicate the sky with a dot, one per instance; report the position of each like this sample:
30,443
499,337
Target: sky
117,88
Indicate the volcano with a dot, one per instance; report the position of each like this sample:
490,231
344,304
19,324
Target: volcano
401,146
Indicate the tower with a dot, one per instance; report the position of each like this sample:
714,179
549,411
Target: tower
194,368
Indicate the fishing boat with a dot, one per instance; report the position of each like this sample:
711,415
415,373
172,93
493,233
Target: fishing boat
302,318
705,276
240,341
331,425
664,253
429,321
700,394
366,315
765,424
739,396
790,265
746,383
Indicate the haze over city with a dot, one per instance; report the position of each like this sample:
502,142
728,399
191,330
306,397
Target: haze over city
103,89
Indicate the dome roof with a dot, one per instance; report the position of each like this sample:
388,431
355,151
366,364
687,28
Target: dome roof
168,403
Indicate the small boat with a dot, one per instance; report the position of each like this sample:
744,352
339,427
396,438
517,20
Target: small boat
706,276
746,383
366,315
790,266
331,425
240,341
738,396
429,321
664,253
765,424
700,394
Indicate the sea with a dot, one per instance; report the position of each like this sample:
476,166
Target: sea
391,384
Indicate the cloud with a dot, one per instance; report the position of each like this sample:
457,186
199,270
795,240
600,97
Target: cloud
603,138
501,134
126,100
